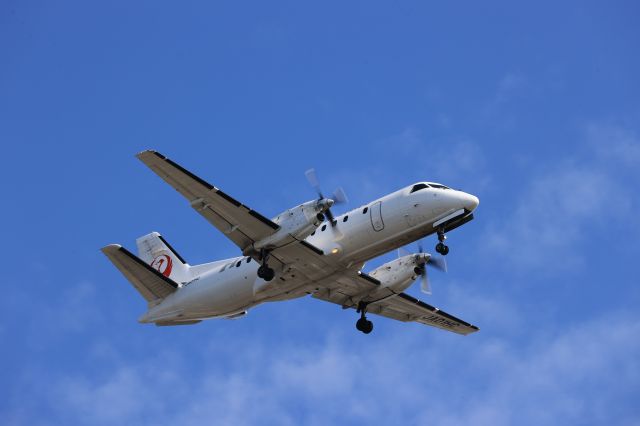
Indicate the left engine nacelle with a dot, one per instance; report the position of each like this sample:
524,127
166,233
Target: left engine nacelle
295,224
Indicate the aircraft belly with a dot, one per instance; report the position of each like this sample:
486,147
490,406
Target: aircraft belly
218,296
393,236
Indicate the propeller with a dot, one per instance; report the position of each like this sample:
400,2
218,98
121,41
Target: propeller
339,196
422,260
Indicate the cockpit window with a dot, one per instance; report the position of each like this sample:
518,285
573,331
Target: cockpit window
437,185
418,187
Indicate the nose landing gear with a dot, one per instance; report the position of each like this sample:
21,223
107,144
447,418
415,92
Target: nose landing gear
264,271
363,324
441,247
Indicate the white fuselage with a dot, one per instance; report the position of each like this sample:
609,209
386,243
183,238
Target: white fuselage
232,286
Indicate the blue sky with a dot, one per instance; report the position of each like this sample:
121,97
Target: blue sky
534,108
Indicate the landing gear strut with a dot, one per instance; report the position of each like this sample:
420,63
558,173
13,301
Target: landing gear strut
441,247
363,324
264,271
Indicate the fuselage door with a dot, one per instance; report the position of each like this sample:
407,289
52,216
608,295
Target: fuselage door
376,216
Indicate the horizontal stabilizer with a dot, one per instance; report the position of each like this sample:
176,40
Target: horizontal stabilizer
150,283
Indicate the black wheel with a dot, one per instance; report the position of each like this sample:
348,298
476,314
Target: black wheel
266,273
261,271
440,248
368,327
361,324
445,250
269,274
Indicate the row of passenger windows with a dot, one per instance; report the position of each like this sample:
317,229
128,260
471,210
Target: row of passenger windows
237,264
344,219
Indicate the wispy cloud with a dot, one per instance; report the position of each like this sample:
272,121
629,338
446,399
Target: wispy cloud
452,159
397,380
614,142
560,204
511,85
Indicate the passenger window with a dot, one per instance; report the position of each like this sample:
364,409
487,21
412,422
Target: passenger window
248,259
238,264
324,227
334,223
313,233
345,218
365,210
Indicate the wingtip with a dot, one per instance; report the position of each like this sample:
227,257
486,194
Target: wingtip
149,152
110,248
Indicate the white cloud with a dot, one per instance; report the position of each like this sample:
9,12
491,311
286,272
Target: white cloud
508,86
584,375
494,110
562,205
452,160
587,374
614,143
465,164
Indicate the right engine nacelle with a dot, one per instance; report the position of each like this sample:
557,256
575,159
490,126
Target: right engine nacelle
399,274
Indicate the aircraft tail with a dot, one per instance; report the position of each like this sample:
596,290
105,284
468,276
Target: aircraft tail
158,253
158,270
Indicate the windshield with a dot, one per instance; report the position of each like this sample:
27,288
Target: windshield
437,185
418,187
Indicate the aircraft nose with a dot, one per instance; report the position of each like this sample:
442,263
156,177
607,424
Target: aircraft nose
470,201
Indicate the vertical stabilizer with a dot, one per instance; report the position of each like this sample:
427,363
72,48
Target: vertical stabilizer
157,253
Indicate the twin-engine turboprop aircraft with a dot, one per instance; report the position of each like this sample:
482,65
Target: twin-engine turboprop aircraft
304,250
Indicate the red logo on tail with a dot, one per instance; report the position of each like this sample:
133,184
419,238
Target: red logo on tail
162,264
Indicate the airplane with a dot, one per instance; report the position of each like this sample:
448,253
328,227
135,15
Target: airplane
304,250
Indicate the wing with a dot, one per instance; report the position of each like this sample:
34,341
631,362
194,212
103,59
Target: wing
348,289
241,224
238,222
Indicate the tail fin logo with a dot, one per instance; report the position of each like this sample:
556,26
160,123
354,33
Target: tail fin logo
162,264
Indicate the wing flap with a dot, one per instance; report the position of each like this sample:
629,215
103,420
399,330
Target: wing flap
151,284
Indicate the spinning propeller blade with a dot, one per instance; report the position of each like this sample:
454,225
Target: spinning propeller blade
438,263
339,196
313,181
425,287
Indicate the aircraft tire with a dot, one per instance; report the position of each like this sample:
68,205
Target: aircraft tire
364,325
269,274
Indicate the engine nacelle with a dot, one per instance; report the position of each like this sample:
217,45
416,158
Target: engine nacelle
399,274
295,224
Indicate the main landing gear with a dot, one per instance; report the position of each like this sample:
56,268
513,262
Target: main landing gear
363,324
441,247
264,271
